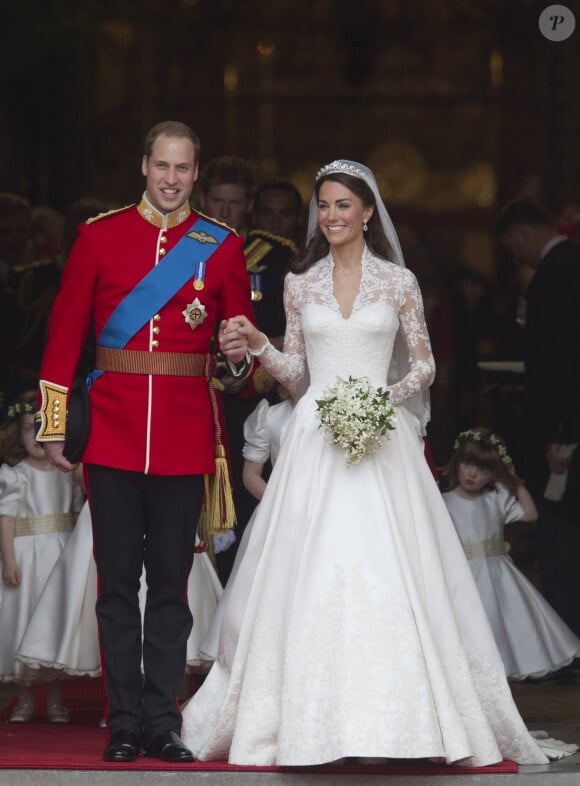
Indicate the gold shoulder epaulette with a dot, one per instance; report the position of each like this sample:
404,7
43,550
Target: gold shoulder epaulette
108,213
219,223
36,263
284,241
255,251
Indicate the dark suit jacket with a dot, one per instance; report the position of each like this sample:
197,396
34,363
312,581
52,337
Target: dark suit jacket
268,260
551,407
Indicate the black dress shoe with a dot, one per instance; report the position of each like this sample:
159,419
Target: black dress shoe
168,746
123,746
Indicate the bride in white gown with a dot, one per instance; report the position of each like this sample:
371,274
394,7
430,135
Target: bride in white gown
354,626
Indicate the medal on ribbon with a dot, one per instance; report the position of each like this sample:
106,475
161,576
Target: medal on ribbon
256,283
198,284
194,314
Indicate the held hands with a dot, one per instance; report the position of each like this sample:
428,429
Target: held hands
232,344
239,331
238,335
55,455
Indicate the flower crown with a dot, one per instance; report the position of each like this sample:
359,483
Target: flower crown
341,166
20,408
489,440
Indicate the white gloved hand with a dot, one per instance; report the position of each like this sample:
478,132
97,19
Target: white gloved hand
223,540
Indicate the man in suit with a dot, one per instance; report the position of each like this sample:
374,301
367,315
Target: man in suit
226,190
550,422
154,278
269,248
278,209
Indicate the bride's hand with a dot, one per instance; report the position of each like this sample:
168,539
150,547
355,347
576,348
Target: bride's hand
240,329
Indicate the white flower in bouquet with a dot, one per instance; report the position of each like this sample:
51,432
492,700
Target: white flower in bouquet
355,415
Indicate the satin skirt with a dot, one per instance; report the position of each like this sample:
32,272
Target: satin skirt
353,626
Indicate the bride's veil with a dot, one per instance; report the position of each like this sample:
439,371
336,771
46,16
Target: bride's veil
419,404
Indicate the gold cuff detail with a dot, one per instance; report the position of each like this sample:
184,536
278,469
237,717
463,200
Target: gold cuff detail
51,419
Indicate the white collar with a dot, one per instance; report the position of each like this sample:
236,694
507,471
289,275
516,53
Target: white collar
551,243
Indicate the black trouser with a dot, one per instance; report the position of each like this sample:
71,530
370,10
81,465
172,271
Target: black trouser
143,520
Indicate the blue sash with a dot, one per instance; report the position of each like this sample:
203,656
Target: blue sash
159,285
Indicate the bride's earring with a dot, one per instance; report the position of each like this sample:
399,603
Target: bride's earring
365,226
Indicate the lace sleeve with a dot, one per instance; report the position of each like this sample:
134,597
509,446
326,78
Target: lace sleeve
421,362
289,366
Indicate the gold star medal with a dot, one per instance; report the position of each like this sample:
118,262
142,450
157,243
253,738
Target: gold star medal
194,314
200,275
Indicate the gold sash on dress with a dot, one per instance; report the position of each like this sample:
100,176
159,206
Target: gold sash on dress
43,525
491,547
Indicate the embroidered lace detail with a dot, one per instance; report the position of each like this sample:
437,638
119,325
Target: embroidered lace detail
422,708
391,297
494,697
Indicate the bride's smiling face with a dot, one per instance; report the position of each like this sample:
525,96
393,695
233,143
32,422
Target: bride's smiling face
341,213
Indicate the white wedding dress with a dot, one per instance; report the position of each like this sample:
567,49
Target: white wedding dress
354,626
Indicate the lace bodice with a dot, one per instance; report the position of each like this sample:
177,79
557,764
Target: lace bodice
319,339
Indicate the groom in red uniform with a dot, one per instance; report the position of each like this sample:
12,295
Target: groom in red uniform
154,279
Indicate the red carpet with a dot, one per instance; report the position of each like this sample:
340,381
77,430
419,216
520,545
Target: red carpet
43,745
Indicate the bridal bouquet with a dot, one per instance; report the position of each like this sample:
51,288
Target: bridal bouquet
355,416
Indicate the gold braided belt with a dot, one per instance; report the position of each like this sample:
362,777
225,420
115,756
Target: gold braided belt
43,525
174,364
492,547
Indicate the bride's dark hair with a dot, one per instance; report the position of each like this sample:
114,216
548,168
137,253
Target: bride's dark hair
375,237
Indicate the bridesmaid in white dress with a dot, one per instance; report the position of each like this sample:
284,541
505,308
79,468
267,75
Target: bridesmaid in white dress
485,495
354,627
38,508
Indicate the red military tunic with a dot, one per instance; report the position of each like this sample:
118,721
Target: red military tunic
161,425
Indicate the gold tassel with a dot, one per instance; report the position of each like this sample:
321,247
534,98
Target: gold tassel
218,514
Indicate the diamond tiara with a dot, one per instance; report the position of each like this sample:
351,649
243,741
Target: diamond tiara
341,166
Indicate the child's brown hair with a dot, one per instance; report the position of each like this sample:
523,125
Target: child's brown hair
11,449
486,450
